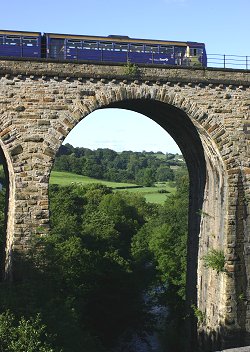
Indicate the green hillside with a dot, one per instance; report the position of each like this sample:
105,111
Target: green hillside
155,194
64,178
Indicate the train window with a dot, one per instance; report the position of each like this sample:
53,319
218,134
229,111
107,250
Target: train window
136,48
179,51
106,46
12,40
1,40
74,44
196,51
90,45
29,41
121,47
151,49
193,51
166,49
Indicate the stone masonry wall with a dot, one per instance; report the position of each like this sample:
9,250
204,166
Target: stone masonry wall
42,101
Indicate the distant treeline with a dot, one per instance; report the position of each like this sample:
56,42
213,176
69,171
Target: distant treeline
143,168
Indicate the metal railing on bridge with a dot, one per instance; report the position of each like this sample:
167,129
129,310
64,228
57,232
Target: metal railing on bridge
228,61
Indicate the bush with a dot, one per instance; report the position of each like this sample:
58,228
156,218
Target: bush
215,260
25,335
201,317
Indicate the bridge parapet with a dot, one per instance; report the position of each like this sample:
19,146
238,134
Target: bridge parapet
51,68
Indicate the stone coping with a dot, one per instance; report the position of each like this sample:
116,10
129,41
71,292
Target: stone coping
237,349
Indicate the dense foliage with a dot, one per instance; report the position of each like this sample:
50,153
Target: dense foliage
88,278
25,335
162,240
143,168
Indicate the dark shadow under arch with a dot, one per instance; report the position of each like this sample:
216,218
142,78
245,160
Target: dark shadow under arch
179,126
3,245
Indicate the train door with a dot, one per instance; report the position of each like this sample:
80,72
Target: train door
179,55
56,48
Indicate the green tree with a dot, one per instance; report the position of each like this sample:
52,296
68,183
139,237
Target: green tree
89,262
62,163
93,168
87,277
66,209
164,173
24,335
162,240
160,246
145,177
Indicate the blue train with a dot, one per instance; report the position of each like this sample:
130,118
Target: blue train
113,48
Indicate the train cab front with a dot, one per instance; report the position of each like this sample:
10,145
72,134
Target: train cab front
196,55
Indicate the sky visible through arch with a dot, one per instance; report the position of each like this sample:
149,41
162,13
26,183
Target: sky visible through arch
120,129
223,25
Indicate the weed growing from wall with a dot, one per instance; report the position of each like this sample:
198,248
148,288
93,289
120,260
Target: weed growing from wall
131,69
215,259
201,316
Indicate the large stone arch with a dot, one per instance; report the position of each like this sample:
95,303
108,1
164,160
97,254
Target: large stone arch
195,133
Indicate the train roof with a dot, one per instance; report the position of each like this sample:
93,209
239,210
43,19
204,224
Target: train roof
109,38
24,33
120,39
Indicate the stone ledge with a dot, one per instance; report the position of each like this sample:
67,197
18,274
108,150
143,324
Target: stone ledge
95,70
237,349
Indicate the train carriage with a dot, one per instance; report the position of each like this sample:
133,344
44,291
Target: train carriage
116,48
113,48
20,44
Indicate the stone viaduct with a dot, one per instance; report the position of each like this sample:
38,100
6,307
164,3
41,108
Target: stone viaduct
206,111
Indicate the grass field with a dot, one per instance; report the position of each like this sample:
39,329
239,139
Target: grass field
151,194
66,178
